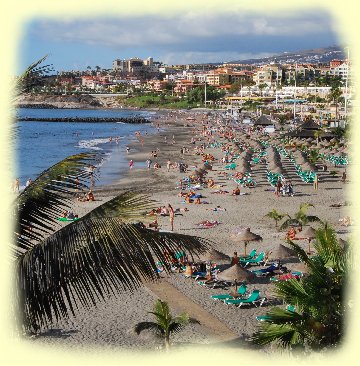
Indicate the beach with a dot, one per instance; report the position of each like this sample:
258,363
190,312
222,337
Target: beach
111,323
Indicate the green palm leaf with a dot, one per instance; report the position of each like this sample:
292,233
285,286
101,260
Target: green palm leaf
43,201
139,327
87,260
32,76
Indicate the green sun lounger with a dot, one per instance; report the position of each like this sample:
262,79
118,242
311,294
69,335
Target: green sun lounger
250,256
241,291
252,299
259,259
66,219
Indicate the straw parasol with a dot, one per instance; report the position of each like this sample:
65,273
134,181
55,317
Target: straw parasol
246,236
283,252
213,255
309,234
236,273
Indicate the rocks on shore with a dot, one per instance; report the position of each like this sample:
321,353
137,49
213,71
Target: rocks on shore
135,119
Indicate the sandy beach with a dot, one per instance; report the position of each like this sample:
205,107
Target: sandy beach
111,323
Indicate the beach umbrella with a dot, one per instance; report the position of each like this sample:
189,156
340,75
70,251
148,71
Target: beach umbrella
213,255
246,236
282,252
309,234
235,273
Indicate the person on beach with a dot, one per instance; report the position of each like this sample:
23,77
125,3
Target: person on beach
236,191
235,259
131,164
90,196
171,216
127,149
316,182
168,165
16,187
343,179
148,163
278,187
290,189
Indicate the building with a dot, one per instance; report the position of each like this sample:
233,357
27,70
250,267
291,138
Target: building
136,65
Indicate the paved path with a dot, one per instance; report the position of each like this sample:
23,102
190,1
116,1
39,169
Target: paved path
181,303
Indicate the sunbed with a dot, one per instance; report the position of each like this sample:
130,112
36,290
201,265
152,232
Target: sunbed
258,260
241,291
252,299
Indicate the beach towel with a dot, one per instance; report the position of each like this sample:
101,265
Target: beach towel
207,224
66,219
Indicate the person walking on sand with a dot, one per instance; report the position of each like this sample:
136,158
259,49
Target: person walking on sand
171,216
131,164
316,182
148,163
168,164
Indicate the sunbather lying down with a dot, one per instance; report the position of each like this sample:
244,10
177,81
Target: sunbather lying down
220,191
217,208
207,223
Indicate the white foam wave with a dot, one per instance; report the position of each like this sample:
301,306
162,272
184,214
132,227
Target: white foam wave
92,144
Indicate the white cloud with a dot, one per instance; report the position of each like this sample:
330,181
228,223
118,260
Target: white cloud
154,31
174,58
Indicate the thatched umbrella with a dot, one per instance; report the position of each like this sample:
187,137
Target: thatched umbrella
309,234
236,273
213,255
246,236
282,252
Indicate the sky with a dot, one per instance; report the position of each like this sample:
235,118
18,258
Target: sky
181,39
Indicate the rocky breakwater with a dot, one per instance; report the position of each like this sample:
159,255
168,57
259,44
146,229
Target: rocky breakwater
134,119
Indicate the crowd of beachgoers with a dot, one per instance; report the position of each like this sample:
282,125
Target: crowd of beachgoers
215,179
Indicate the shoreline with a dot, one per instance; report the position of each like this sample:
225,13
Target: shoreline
111,323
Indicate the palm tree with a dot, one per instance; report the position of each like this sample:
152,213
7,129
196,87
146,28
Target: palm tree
165,324
58,269
31,77
300,218
275,215
318,299
335,96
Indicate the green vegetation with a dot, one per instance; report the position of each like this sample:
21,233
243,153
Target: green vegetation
156,101
165,324
276,216
315,318
300,218
82,263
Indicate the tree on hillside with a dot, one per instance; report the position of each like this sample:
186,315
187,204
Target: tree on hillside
197,95
165,324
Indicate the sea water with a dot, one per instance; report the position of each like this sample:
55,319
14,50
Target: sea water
40,145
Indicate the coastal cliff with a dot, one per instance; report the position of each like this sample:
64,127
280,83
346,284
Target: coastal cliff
68,101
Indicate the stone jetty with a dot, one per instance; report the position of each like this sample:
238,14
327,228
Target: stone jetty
134,119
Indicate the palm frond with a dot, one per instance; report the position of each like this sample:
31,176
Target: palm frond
87,260
128,206
42,202
139,327
32,76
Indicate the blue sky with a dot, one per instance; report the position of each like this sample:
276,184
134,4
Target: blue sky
186,38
